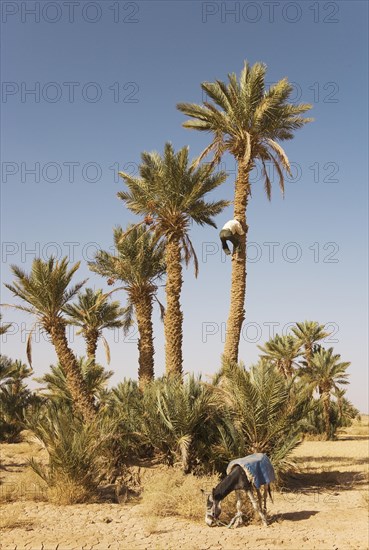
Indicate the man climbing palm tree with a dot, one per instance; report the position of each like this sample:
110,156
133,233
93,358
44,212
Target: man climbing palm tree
248,121
230,232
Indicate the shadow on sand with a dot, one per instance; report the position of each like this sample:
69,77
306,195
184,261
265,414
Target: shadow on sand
293,516
307,482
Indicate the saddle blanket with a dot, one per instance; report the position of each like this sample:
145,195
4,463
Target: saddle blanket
258,468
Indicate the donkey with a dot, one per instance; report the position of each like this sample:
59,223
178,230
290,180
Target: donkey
237,480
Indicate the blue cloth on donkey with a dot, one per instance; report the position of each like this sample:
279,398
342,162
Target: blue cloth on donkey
258,468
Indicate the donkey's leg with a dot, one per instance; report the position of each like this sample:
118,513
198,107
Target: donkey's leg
262,509
256,505
265,498
239,520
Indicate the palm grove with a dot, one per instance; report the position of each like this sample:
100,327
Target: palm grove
293,389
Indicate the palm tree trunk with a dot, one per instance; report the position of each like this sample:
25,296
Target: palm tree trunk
173,316
326,407
185,455
143,308
82,399
238,284
91,338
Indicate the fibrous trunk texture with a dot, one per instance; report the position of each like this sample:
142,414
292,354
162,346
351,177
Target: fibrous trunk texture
173,315
238,283
326,407
143,307
91,343
82,399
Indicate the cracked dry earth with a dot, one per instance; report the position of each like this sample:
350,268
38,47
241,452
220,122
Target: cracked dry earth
325,507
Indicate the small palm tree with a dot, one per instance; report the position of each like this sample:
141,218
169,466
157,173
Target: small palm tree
282,351
93,313
265,408
325,374
6,369
45,291
180,414
79,452
247,120
15,398
139,264
309,333
55,385
172,193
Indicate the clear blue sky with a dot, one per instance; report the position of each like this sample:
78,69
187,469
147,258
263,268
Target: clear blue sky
106,78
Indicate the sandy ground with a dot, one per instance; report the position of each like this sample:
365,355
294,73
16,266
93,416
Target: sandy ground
324,507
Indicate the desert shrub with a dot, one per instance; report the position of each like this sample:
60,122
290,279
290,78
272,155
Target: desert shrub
169,492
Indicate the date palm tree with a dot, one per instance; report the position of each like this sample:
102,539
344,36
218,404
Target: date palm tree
55,385
15,398
309,333
138,262
248,121
178,418
264,408
172,193
45,292
325,374
92,314
282,351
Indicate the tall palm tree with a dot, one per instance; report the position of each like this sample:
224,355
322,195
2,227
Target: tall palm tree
309,333
139,264
45,291
282,351
93,313
248,121
327,372
172,192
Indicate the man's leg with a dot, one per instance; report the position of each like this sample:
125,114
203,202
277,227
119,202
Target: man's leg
225,235
235,241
